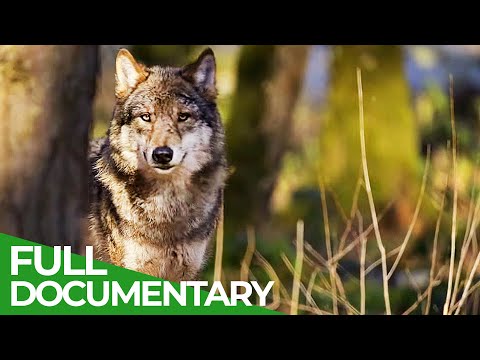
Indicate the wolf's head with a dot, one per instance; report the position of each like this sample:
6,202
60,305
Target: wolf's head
166,119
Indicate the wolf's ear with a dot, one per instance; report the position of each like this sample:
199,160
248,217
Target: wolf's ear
201,73
128,73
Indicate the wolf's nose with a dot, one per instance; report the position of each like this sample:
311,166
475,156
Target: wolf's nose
162,155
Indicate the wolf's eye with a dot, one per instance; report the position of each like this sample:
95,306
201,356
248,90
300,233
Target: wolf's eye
183,117
145,117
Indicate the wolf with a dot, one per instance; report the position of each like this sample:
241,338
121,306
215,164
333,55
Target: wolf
157,178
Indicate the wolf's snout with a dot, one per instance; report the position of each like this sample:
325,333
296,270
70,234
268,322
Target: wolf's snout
162,155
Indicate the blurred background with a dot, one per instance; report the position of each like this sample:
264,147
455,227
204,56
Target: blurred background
296,207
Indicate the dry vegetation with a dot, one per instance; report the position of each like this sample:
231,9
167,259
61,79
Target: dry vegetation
323,277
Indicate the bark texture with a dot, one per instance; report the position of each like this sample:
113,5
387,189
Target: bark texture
46,97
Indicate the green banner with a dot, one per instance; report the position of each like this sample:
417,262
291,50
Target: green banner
38,279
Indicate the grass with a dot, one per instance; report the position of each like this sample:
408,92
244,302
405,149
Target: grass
298,268
370,195
455,199
217,275
317,283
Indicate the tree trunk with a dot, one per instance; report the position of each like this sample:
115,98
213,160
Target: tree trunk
391,134
258,132
46,95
